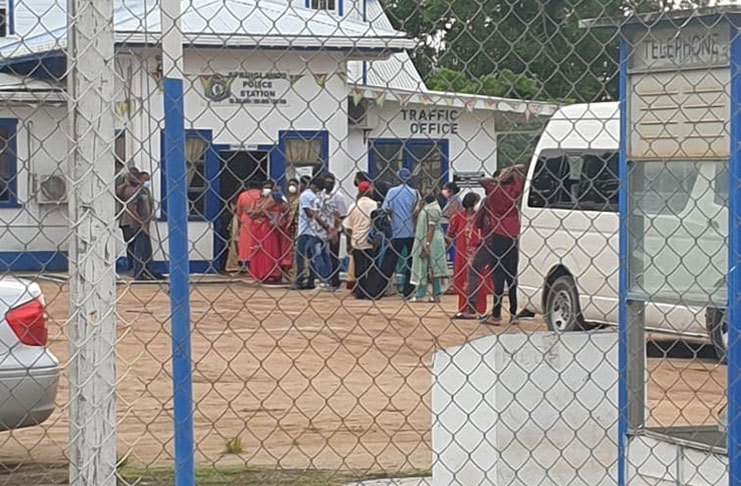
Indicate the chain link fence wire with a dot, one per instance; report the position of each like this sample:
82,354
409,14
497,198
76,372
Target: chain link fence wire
403,237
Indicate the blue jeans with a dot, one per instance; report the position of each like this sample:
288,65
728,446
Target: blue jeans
142,255
305,248
320,262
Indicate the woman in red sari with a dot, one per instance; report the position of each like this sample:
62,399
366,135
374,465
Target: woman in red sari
266,220
466,238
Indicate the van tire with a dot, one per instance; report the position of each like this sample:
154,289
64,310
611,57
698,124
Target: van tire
562,309
717,327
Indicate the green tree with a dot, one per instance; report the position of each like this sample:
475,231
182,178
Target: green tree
510,47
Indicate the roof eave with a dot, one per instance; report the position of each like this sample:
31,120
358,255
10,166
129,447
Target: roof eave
467,101
648,19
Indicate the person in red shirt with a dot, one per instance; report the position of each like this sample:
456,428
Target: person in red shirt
498,219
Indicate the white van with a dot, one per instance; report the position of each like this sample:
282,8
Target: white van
568,268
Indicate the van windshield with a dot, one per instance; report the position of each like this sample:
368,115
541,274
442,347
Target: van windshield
584,180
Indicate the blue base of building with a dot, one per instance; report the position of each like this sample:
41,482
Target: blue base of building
33,261
57,261
161,266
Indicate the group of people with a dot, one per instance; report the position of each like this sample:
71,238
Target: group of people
293,237
483,234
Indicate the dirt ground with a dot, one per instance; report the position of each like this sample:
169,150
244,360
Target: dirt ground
304,379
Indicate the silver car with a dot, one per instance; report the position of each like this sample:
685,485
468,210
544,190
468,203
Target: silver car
29,373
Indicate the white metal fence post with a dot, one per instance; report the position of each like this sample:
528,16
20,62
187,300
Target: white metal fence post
92,332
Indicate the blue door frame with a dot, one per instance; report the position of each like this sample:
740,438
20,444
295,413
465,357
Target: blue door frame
219,244
407,157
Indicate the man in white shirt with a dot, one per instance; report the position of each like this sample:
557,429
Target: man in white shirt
338,206
358,224
307,240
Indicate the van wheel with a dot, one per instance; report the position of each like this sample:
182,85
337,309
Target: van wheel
717,326
562,310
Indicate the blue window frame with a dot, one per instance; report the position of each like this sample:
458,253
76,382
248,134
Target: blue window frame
299,151
427,159
8,163
202,172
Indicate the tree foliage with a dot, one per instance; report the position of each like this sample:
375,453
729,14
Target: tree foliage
519,48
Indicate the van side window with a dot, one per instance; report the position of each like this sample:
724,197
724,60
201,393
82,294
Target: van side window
584,181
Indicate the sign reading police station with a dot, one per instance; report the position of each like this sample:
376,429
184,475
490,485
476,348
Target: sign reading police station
432,121
248,88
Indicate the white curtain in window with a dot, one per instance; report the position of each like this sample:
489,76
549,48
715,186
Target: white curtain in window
195,147
302,152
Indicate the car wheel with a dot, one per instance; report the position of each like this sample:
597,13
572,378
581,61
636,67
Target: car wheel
562,310
717,326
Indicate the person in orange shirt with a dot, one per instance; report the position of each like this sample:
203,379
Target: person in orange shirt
246,202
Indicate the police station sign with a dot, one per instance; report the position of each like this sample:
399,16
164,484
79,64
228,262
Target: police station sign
249,88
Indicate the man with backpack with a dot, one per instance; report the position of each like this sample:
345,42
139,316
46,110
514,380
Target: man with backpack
400,202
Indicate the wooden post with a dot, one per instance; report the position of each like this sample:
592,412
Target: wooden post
91,327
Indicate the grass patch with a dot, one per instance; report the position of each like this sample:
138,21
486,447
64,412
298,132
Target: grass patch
234,445
236,476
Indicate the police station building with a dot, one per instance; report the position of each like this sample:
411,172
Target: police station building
273,89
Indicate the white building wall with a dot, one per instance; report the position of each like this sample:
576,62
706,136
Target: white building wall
310,107
41,147
472,148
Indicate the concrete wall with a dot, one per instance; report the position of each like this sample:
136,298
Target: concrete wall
41,147
525,409
472,148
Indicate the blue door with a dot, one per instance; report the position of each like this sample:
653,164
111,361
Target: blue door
426,159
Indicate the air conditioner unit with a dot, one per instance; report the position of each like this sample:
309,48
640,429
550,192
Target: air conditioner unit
357,114
51,189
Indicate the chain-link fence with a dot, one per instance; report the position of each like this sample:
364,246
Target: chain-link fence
368,241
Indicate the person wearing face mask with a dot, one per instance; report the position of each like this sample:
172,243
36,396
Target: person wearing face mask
293,191
429,265
338,207
265,265
325,227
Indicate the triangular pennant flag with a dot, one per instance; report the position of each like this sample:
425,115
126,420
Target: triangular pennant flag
469,105
357,96
403,99
381,98
293,78
426,100
321,80
489,103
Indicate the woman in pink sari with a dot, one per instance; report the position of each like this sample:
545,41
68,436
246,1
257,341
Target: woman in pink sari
267,219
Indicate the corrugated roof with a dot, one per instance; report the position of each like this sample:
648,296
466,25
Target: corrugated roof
41,26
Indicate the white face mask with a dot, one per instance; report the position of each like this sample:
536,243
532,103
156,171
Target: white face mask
266,192
292,189
146,184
